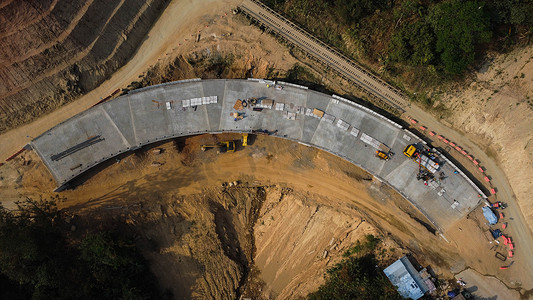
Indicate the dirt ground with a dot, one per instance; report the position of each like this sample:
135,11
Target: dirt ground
491,115
496,112
271,230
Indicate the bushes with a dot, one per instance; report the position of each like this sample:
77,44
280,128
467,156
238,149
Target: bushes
357,277
459,26
38,258
440,38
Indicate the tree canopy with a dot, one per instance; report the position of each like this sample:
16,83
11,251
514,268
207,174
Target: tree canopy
357,277
459,26
38,260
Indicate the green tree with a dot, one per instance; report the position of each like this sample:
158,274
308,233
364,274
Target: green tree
459,26
32,250
414,44
352,11
356,278
38,260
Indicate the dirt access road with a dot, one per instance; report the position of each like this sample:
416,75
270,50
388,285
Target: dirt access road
374,86
518,227
182,171
176,23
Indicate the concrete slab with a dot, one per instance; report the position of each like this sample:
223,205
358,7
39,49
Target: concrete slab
143,117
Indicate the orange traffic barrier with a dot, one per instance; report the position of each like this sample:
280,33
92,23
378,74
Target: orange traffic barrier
432,133
511,246
476,162
487,179
423,128
470,157
503,268
510,253
440,137
505,242
501,215
493,191
480,169
504,225
414,121
452,144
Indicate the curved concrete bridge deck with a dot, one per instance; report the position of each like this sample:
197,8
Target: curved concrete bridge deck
347,130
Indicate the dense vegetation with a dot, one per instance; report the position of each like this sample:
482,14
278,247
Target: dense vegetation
39,260
416,41
357,276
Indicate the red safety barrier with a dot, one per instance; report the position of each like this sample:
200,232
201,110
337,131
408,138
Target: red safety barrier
470,157
476,162
414,121
463,152
440,137
481,170
511,246
505,242
423,128
487,179
503,268
504,225
15,154
452,144
432,133
501,217
445,141
493,191
458,148
510,253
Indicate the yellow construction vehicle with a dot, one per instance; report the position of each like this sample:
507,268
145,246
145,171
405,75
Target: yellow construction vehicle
409,150
244,139
227,146
382,155
423,157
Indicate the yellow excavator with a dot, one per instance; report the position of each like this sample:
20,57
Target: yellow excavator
227,146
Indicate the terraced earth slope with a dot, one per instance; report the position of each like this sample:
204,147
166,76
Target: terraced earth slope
52,51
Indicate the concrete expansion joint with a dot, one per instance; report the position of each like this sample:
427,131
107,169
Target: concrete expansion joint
314,119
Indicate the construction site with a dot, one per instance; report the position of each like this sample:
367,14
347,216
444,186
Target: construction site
260,109
253,188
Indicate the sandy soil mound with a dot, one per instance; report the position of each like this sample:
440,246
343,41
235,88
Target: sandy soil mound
293,261
266,236
55,50
496,111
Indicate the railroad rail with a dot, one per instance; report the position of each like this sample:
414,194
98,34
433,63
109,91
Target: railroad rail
330,56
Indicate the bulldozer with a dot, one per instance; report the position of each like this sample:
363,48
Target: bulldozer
227,146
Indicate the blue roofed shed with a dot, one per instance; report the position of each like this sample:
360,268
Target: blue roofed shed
404,276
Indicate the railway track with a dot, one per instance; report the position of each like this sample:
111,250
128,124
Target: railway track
346,67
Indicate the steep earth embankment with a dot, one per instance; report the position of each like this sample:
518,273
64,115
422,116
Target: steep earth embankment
199,234
52,51
496,111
